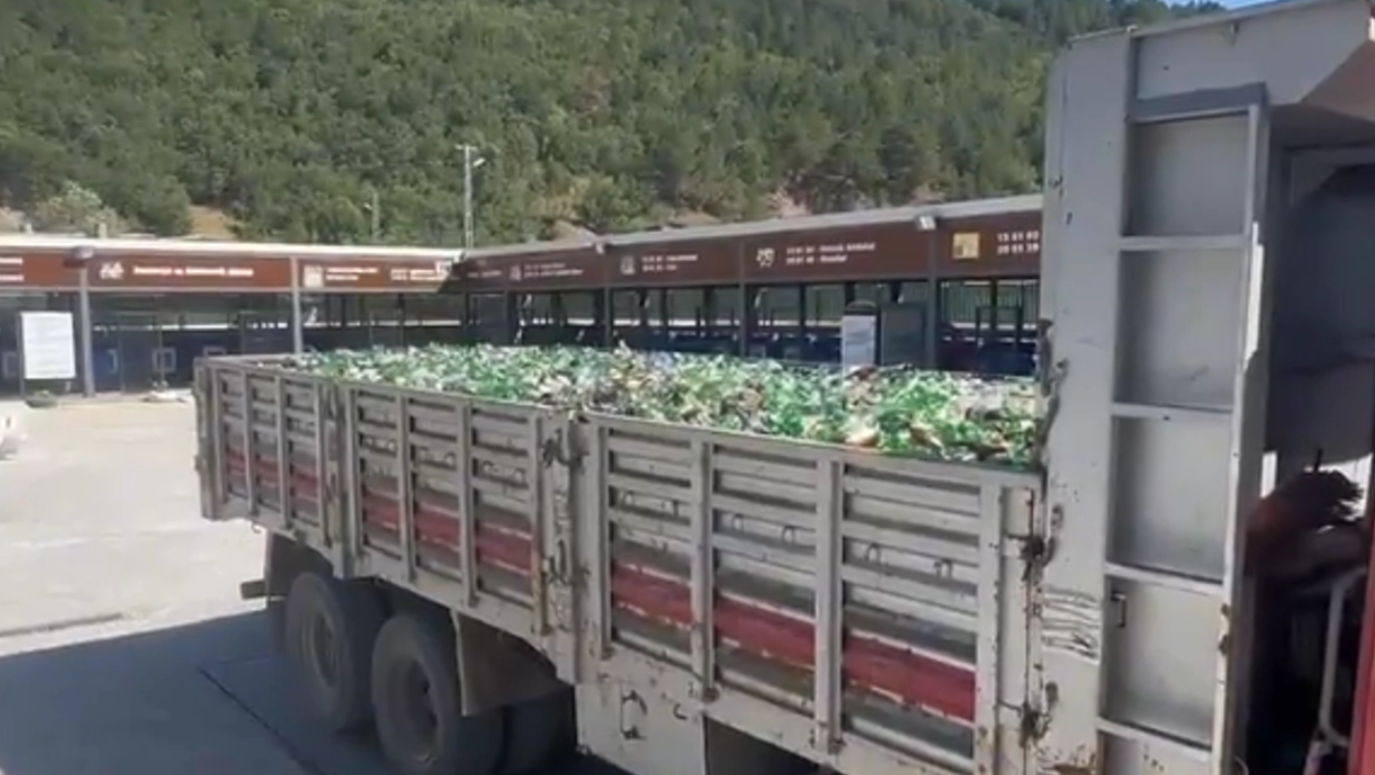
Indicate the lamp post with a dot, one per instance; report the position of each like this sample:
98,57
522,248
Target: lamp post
928,225
471,161
374,209
82,256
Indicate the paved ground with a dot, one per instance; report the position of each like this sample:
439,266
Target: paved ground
123,647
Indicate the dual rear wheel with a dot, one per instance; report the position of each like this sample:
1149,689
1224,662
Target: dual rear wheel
328,632
357,666
415,697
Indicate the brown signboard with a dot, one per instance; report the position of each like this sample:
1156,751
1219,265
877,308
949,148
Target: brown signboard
986,246
374,275
877,252
676,262
992,246
187,273
37,271
542,272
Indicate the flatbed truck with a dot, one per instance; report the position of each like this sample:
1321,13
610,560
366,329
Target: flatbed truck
489,584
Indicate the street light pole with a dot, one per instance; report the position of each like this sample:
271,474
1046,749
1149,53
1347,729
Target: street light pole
930,348
471,161
375,208
84,256
467,195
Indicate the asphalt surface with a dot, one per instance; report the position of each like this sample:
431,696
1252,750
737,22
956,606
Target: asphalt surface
124,649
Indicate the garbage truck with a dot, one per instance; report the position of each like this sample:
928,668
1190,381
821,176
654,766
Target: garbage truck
489,584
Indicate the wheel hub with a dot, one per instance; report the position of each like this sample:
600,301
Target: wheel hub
413,696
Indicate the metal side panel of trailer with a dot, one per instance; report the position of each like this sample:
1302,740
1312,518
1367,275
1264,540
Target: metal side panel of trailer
867,613
413,488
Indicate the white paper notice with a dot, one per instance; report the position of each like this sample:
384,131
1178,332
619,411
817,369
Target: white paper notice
858,340
49,345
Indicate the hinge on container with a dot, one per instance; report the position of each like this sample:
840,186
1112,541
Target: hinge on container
828,743
1050,374
1035,721
556,565
1033,726
1038,547
1037,551
562,449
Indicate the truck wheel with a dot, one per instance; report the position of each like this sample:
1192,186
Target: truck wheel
415,696
539,732
329,632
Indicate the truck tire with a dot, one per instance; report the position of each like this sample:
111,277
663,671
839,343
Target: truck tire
329,631
416,701
539,732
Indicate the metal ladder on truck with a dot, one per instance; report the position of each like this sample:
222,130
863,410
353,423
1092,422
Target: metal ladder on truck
1153,283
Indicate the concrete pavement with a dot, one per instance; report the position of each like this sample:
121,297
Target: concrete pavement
123,647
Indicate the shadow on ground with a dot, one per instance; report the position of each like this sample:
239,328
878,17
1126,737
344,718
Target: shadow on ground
208,698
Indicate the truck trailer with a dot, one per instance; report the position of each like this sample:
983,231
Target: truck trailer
491,583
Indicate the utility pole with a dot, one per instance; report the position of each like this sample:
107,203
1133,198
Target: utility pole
375,209
467,195
471,161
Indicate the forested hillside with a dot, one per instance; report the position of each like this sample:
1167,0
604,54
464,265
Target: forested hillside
292,115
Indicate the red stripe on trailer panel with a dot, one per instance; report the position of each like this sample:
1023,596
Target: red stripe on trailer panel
304,483
507,550
867,663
